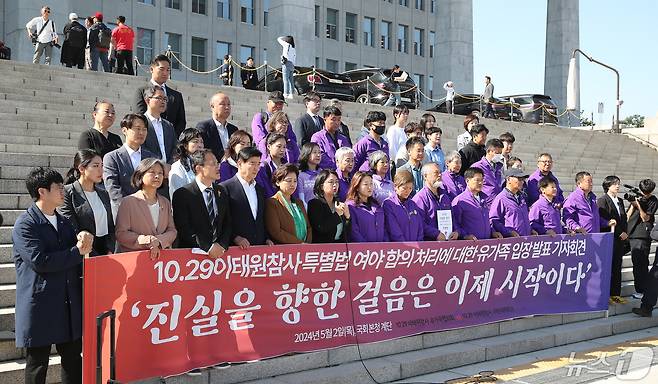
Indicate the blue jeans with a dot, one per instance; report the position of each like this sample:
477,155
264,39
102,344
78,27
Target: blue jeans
288,80
95,54
394,97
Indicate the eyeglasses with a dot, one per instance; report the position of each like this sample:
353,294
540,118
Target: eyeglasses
160,98
546,161
46,11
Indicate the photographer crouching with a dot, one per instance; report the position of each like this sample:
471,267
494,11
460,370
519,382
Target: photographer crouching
643,206
41,30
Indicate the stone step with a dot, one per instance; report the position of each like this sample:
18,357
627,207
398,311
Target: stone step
17,172
7,274
6,255
9,216
15,201
7,295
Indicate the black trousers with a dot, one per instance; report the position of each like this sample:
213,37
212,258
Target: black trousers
125,62
77,57
640,249
615,276
36,363
651,289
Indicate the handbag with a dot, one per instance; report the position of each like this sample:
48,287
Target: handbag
35,37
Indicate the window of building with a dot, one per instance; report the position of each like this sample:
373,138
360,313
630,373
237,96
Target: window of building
404,3
350,28
264,58
173,41
368,31
317,21
332,24
385,35
403,37
222,49
332,65
144,45
198,54
266,12
350,66
224,9
245,52
419,42
199,6
147,2
432,6
420,5
317,62
432,38
247,11
173,4
430,86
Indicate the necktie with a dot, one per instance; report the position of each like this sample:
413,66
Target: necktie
317,121
210,205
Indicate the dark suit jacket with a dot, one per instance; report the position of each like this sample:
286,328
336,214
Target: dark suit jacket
211,138
280,224
175,112
48,273
193,223
244,224
117,171
170,140
77,209
325,223
471,154
93,139
305,127
607,211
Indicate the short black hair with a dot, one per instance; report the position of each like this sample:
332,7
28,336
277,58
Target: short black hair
494,143
478,128
129,119
137,179
319,182
311,95
331,110
647,185
507,137
121,19
432,130
373,116
199,158
609,181
158,59
249,58
471,172
399,109
305,154
545,182
247,153
41,177
581,175
413,141
185,138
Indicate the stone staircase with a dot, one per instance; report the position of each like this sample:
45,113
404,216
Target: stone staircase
43,110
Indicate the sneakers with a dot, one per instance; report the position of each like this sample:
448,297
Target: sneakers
638,295
642,312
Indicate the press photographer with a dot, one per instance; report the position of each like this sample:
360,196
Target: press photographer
643,206
41,30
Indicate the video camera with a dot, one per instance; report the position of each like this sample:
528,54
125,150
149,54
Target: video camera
633,193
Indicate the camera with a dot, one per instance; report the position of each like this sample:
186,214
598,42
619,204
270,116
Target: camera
54,44
633,193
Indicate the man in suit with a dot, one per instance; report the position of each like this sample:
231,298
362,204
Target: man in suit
211,232
161,138
119,165
48,256
247,200
310,122
216,131
175,111
612,212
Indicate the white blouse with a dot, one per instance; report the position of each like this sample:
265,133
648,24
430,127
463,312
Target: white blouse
100,214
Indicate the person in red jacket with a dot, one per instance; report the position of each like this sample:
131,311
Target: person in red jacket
123,38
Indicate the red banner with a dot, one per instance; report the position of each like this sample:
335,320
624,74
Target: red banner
186,310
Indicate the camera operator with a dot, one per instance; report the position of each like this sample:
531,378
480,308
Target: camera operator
643,206
41,30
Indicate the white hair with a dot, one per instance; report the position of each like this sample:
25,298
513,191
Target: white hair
341,152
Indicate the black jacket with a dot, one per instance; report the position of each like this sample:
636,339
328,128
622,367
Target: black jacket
193,223
325,223
93,139
608,211
305,127
175,112
246,226
249,78
471,154
211,140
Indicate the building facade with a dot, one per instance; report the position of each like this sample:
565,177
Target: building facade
431,39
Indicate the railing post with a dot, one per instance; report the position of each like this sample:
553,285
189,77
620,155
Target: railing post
313,87
265,62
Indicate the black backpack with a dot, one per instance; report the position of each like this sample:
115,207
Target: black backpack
77,36
104,37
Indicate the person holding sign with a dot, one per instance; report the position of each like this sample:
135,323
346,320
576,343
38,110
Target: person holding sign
367,216
402,216
509,212
434,205
544,216
470,213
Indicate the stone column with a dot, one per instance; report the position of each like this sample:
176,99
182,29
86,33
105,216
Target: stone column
297,19
454,46
562,37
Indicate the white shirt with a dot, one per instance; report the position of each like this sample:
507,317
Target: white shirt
159,133
615,201
289,51
135,156
100,214
252,196
463,139
48,34
178,177
396,139
155,213
223,133
206,198
450,92
52,219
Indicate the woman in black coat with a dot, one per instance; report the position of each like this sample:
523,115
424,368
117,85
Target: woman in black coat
329,217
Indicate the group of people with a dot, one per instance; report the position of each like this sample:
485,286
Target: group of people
84,45
216,186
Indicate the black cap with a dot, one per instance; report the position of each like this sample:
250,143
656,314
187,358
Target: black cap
515,172
277,97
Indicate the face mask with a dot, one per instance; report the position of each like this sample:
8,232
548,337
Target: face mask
498,158
438,184
379,129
